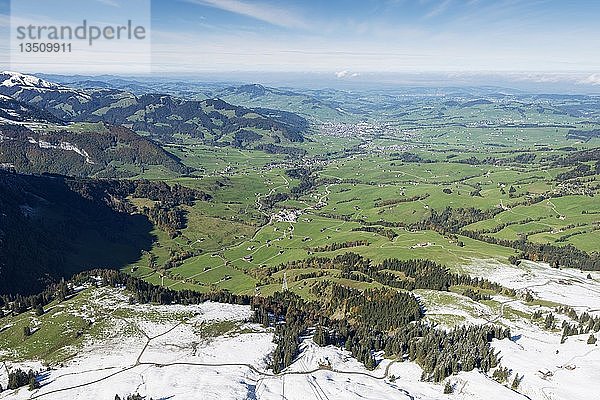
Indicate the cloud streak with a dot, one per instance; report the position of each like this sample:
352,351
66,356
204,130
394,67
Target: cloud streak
111,3
438,9
263,12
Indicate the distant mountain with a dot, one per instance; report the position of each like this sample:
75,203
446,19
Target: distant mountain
12,110
254,90
17,82
305,104
212,120
99,150
163,117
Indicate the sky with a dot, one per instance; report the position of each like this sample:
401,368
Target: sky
535,39
393,35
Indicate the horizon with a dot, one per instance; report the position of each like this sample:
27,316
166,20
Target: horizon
538,45
266,199
516,82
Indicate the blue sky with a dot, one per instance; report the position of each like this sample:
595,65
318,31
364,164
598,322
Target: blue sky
355,37
393,35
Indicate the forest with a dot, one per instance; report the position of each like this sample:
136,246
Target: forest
48,224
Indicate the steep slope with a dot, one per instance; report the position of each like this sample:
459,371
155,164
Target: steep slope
61,101
53,227
48,231
12,110
83,150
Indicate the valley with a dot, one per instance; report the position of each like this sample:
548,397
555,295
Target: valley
225,247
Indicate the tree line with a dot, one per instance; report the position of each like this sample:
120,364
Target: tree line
362,321
391,202
338,246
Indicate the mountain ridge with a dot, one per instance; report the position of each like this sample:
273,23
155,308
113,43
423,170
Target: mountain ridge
161,116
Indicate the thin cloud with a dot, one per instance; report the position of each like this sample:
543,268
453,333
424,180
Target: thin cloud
112,3
438,9
346,74
259,11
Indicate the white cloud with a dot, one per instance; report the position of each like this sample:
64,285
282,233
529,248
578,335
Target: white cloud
593,79
262,12
346,74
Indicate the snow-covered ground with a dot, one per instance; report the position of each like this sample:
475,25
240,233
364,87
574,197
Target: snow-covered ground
165,352
551,370
565,286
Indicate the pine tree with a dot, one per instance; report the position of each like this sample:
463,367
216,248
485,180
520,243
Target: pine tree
592,339
33,383
370,362
448,388
39,310
501,374
516,382
549,322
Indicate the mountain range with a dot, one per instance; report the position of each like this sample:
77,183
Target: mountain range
162,116
104,132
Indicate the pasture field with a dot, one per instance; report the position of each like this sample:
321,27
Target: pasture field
378,189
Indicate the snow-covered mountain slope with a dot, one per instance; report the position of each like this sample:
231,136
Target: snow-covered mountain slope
17,79
209,351
14,111
57,99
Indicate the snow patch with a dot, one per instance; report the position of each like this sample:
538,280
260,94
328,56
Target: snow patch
62,146
11,78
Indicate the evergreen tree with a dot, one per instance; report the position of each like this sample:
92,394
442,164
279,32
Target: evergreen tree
33,383
448,388
592,339
516,382
39,310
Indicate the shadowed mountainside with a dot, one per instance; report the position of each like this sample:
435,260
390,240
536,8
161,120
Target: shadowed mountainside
49,231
